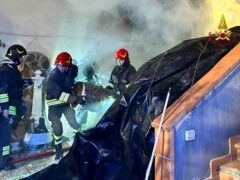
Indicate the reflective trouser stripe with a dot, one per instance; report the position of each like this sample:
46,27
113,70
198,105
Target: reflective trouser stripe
57,139
4,98
75,131
12,110
6,150
64,97
54,102
111,85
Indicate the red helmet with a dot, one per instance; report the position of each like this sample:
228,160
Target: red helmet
122,54
64,59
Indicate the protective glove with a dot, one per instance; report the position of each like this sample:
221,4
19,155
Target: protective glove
81,100
5,113
27,83
75,100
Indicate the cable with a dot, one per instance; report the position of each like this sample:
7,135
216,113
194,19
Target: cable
72,37
192,81
204,49
76,37
37,35
149,87
195,70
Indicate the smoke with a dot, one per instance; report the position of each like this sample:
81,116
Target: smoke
90,30
145,28
90,116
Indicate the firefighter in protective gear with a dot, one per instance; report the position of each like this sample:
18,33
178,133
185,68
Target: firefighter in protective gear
87,73
12,108
122,73
59,89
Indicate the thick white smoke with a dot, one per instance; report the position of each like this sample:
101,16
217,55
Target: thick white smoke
94,30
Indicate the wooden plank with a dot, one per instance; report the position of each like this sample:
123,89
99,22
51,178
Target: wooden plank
162,159
225,176
232,149
172,152
230,170
216,163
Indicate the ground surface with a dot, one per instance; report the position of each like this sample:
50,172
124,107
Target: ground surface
27,168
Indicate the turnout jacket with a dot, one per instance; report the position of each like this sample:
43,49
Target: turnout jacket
60,85
121,77
11,86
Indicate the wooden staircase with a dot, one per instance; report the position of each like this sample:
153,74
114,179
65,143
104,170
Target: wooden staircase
227,167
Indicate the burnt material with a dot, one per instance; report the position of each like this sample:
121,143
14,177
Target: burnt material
119,146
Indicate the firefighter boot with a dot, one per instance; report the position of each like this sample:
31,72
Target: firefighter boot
5,164
59,152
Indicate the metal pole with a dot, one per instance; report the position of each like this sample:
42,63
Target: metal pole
158,134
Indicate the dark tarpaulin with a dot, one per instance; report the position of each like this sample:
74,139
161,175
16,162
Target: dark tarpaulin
120,145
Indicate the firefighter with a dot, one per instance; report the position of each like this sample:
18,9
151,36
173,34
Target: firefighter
122,73
87,73
59,89
12,108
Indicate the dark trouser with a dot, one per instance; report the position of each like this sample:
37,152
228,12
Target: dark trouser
54,115
5,138
20,112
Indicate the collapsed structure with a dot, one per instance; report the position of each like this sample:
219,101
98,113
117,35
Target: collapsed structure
121,143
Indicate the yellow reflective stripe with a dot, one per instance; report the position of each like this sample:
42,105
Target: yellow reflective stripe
6,150
6,147
12,110
19,52
3,95
64,97
57,137
54,102
75,130
6,153
58,142
111,85
4,98
10,53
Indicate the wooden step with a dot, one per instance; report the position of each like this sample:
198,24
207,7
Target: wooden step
237,147
230,171
232,148
216,163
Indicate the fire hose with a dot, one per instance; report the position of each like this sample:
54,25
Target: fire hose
36,155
